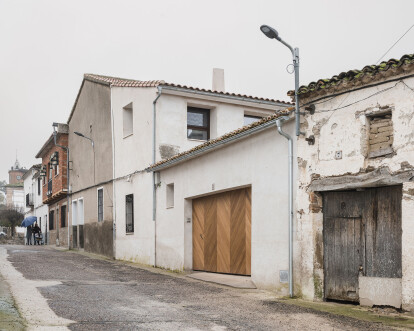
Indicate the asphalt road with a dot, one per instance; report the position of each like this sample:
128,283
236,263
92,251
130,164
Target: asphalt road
98,294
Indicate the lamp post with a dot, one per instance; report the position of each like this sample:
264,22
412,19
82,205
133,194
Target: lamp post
93,148
273,34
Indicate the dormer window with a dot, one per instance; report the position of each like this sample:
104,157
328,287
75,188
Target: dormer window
198,123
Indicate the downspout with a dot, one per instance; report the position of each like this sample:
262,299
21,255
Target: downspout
113,180
154,192
279,123
68,181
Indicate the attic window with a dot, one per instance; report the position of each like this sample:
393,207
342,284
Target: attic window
380,135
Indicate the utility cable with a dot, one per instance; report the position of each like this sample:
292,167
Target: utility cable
395,44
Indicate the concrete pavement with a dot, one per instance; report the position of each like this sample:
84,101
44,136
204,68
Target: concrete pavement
62,289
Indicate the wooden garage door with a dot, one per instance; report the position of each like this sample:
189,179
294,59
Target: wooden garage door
222,232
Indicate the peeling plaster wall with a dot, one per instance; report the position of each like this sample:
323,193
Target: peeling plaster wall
346,130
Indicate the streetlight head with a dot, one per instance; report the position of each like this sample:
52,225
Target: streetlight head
270,32
79,134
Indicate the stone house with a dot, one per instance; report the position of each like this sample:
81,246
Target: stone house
355,196
55,186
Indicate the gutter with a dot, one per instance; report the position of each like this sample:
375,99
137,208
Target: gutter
113,176
226,96
279,123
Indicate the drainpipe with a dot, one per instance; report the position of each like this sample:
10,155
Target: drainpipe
279,123
67,176
154,192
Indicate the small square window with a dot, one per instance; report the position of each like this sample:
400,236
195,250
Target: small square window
381,135
128,119
170,195
198,123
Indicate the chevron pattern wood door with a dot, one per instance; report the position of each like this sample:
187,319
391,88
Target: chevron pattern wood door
222,232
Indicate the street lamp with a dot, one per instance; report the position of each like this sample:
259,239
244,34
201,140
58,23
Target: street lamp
273,34
93,148
83,136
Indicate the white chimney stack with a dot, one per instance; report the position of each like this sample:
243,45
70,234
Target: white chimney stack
218,80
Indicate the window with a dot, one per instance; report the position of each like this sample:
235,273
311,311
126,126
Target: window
63,216
56,170
38,186
51,219
170,195
128,117
129,213
100,205
248,119
50,170
380,134
198,123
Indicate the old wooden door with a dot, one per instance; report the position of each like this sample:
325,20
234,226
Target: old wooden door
362,236
222,232
343,244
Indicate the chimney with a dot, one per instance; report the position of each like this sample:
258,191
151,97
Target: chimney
218,80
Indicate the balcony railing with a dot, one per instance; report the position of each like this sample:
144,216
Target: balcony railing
49,188
29,200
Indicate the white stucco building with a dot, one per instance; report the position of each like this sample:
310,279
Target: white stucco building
33,197
155,123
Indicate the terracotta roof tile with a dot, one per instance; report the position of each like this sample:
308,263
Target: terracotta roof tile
122,82
233,133
367,74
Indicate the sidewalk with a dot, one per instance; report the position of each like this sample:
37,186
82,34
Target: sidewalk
10,318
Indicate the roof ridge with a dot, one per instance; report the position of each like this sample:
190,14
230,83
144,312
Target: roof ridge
124,82
355,75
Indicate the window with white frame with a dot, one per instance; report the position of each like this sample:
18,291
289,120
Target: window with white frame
100,205
128,119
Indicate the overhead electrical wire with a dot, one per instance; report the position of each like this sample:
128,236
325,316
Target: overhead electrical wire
395,43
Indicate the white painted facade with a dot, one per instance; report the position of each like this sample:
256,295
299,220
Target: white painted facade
133,152
345,130
38,209
259,161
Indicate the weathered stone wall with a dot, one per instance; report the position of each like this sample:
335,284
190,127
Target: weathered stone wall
342,158
99,238
380,135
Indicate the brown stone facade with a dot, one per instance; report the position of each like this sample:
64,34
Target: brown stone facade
57,174
58,232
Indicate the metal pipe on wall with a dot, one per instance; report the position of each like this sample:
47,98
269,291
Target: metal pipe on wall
279,123
154,193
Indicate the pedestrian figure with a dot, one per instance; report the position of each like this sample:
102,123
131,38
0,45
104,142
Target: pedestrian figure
36,233
29,235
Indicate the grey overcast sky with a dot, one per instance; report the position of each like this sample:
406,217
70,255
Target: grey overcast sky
46,47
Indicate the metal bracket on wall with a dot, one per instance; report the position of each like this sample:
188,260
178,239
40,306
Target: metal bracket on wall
311,140
70,165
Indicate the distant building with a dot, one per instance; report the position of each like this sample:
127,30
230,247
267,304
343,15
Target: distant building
15,189
54,185
33,188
